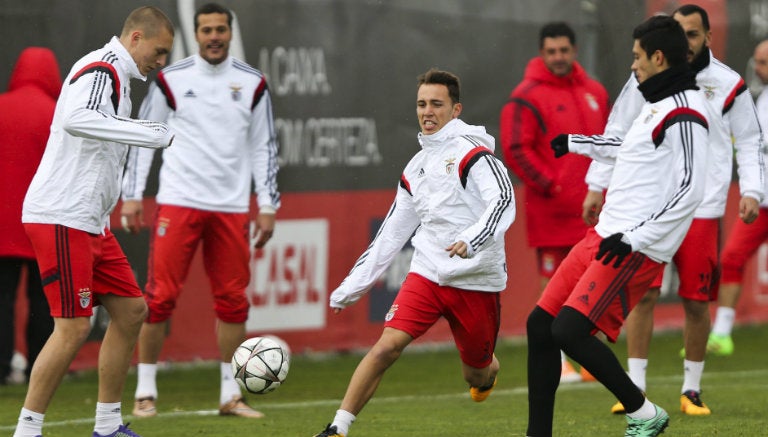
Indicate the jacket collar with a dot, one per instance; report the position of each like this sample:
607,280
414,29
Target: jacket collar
126,59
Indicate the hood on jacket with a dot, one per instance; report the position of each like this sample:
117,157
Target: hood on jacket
457,128
37,66
538,71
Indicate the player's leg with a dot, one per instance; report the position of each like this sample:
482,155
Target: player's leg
474,318
40,322
600,301
66,262
549,259
696,261
173,242
226,258
115,288
639,330
10,271
742,243
544,362
413,312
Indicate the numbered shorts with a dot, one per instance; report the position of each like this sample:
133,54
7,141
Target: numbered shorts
743,242
696,262
474,316
604,294
76,267
175,237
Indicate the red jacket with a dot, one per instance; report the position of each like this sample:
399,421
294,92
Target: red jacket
26,111
541,107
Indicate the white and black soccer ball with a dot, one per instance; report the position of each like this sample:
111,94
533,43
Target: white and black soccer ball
260,365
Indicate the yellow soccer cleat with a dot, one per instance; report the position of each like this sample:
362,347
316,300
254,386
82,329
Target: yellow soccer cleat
691,404
618,408
479,394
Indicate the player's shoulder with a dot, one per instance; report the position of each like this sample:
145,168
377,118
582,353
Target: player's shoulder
246,68
722,73
179,66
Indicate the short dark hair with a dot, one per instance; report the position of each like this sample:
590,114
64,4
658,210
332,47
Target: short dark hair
556,29
149,19
663,33
686,10
439,77
212,8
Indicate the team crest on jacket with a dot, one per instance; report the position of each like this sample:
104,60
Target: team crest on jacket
709,92
236,94
592,102
650,116
450,163
391,313
85,297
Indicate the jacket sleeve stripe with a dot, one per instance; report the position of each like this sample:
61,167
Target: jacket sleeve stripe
259,93
405,184
162,84
738,89
679,115
103,68
469,160
505,200
365,254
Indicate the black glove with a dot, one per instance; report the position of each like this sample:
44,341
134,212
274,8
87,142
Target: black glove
560,145
612,247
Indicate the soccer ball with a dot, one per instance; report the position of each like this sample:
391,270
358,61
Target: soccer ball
260,365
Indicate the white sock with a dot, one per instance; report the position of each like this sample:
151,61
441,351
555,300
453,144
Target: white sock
146,386
30,424
724,321
229,387
692,372
108,417
637,368
647,411
343,421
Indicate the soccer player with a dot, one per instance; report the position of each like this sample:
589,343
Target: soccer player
458,199
221,111
744,239
656,185
732,115
66,215
556,95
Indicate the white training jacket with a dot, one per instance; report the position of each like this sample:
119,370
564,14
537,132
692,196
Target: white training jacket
78,181
659,174
733,124
453,190
225,137
762,115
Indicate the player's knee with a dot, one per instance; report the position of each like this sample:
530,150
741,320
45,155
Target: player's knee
539,327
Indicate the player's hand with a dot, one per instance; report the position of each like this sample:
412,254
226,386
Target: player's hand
749,209
132,216
560,145
613,247
590,209
265,227
337,310
458,248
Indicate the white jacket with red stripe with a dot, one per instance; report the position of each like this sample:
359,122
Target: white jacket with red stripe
78,181
453,190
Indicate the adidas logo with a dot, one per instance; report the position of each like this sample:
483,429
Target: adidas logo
28,419
421,173
584,298
115,410
190,93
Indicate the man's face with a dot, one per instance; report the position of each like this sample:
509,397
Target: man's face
213,35
698,38
434,107
151,53
644,67
558,54
761,62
